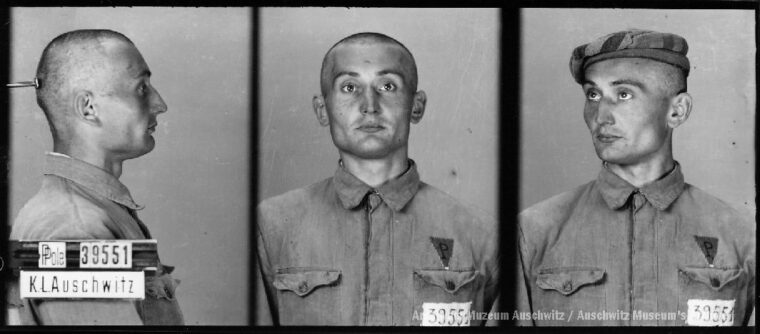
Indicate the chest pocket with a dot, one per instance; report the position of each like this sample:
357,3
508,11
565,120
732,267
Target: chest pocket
160,307
435,281
716,296
570,288
307,294
304,282
446,286
568,280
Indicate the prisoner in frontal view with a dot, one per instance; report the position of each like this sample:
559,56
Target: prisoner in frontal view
373,244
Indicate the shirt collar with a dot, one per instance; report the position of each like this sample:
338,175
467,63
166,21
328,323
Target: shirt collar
396,192
91,177
661,193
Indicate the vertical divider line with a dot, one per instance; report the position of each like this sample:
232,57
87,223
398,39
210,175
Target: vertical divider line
5,149
509,157
253,163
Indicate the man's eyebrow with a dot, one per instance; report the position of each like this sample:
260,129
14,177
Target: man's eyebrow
383,72
398,73
145,72
342,73
631,82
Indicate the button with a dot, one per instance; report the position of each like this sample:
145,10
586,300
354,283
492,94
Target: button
568,286
714,282
450,285
373,201
303,287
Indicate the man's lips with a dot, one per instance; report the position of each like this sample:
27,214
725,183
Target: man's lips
152,127
370,128
606,138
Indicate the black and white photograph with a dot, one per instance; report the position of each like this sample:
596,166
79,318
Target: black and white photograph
377,166
637,167
138,129
261,167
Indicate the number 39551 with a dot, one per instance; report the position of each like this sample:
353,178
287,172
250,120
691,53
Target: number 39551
105,254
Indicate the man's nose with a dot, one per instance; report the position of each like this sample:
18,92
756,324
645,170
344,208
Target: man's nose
604,112
370,103
157,103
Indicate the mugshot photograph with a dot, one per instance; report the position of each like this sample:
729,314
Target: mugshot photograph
129,128
377,167
651,221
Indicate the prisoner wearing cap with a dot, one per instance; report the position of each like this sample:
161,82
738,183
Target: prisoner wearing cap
638,245
664,47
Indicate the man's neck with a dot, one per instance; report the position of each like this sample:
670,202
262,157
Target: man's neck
640,174
92,157
375,172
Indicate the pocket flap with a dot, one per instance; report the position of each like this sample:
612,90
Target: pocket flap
715,278
449,280
568,280
162,286
166,268
303,282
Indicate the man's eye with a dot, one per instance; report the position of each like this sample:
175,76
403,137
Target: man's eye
593,96
388,87
348,88
625,95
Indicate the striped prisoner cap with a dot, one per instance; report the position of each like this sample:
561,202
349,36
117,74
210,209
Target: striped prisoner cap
665,47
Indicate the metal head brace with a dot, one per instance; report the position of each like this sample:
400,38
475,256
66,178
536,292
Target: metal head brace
34,83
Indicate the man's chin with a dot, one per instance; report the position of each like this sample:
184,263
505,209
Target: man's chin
609,157
616,159
136,153
373,153
368,149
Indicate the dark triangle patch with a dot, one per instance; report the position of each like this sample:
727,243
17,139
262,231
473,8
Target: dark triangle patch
444,247
709,247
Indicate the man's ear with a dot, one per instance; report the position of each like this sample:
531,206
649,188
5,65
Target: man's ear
84,107
418,106
320,110
680,108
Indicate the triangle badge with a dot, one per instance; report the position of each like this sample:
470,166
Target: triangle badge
709,247
444,247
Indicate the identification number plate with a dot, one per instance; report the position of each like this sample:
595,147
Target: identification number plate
105,254
446,314
704,312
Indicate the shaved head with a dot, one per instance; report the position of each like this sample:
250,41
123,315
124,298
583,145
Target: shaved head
326,73
70,62
673,78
